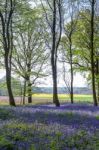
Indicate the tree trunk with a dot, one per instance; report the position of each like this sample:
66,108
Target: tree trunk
29,86
29,91
93,53
8,81
71,71
55,93
29,94
24,92
7,36
72,96
98,92
98,79
94,89
54,57
97,76
54,76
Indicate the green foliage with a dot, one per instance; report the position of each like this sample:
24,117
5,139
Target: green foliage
4,143
13,133
32,147
82,45
6,114
97,117
81,141
22,132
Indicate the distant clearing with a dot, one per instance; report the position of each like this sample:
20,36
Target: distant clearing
47,98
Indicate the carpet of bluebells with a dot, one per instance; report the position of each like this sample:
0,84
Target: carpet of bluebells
45,127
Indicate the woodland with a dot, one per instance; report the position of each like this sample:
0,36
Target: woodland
54,39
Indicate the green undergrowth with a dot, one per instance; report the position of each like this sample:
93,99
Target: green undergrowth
97,117
37,139
6,114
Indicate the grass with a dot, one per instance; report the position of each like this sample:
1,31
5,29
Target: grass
47,98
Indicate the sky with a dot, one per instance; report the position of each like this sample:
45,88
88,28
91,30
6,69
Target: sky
79,81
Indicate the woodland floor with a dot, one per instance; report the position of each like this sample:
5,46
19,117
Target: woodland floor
45,127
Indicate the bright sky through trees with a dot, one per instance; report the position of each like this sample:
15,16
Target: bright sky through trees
79,81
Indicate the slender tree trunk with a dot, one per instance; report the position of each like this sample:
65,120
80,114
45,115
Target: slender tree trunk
94,89
29,93
98,92
29,86
71,72
8,81
7,36
92,53
24,92
54,57
98,79
97,76
72,97
21,93
55,93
